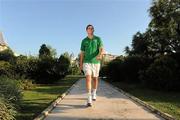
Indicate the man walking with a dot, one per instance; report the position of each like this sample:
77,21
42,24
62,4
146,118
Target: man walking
90,58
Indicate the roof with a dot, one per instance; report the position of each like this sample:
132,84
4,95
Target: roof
2,41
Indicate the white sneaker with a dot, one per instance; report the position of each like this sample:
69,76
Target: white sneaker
94,97
89,101
89,104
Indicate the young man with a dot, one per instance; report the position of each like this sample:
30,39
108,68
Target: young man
90,58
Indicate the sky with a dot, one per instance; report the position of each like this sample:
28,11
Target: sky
27,24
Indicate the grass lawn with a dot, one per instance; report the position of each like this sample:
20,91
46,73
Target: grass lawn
168,102
37,99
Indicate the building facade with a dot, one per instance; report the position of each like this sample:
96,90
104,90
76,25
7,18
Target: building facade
3,44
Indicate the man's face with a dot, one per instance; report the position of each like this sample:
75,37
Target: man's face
90,30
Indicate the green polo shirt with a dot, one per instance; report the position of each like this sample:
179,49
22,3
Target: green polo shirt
91,49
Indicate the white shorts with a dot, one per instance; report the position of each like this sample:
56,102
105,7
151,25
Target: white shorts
91,69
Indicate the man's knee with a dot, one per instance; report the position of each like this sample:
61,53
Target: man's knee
95,78
88,77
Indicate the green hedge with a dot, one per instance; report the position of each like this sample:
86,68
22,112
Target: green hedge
162,74
126,69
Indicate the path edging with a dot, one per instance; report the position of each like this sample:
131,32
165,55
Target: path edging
149,107
45,112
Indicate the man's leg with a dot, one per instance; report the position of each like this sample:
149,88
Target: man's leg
88,83
95,86
88,73
95,80
88,89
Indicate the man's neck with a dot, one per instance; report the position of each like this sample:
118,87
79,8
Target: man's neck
90,36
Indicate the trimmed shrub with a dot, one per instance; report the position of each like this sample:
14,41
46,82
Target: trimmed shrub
132,66
114,72
46,71
103,71
162,74
126,69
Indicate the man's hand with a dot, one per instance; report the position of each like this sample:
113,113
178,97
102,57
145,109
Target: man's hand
99,57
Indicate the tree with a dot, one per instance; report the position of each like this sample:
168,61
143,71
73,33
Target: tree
164,25
161,37
139,45
53,52
44,52
127,50
63,65
7,55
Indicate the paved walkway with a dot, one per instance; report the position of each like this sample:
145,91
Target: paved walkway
110,105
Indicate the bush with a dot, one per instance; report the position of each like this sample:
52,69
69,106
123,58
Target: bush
103,71
26,84
50,70
126,69
21,66
162,74
26,67
74,70
63,66
113,70
46,71
32,67
5,69
10,90
132,66
7,110
10,98
7,55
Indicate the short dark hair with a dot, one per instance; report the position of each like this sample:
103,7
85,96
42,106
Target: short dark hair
89,26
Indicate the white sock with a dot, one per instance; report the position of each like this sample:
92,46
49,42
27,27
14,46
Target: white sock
89,91
94,91
89,96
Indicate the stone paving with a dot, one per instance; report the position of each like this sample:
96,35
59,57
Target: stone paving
111,104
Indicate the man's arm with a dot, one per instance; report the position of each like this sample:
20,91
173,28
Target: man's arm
82,55
101,52
81,60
